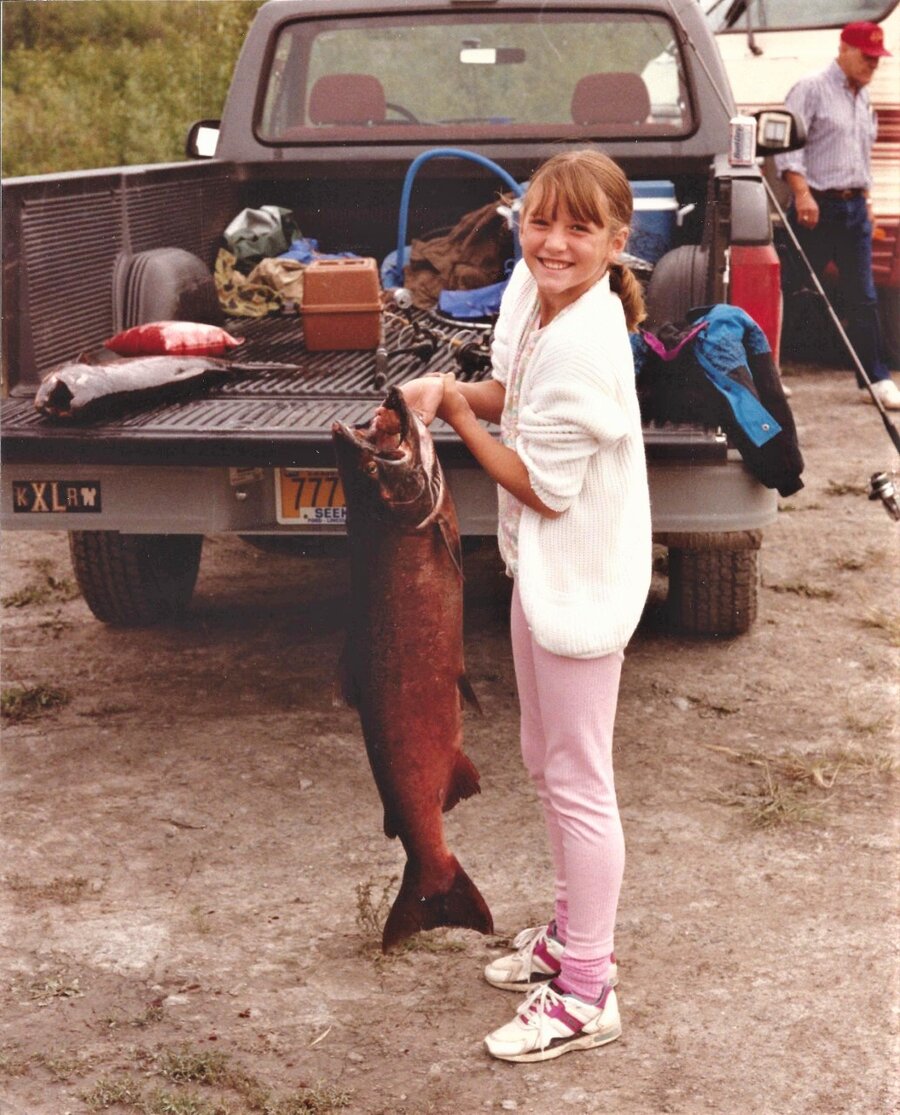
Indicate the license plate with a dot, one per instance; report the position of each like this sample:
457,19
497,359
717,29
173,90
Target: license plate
310,497
56,497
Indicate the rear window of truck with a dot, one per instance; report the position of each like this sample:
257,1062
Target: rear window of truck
549,75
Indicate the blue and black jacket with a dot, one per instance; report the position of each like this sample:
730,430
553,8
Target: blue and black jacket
716,368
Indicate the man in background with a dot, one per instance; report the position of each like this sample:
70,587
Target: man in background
830,179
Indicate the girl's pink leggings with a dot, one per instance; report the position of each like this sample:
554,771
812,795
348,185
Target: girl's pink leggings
568,708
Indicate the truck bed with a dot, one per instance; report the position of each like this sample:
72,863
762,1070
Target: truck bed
271,416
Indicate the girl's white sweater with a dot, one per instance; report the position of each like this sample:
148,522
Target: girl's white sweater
583,577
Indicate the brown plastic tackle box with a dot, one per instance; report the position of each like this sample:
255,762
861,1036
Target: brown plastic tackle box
341,304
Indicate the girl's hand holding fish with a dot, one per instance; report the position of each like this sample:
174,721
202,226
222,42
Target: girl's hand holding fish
424,395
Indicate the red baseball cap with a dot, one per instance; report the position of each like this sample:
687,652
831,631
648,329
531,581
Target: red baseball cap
867,37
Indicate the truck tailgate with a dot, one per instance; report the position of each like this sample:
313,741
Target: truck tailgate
270,415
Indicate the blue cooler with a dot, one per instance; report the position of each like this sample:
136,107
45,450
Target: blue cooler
653,223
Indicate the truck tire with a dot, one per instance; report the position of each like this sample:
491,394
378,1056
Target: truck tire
714,582
135,580
681,280
163,284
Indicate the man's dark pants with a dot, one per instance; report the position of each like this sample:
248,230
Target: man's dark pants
843,236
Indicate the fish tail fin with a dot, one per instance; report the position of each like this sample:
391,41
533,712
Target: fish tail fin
460,905
464,783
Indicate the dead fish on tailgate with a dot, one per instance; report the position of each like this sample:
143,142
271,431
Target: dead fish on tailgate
403,664
83,390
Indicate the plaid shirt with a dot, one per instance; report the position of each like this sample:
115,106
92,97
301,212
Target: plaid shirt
840,131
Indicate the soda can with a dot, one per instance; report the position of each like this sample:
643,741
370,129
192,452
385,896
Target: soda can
742,143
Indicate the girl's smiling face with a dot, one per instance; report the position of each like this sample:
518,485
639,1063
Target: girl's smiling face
565,254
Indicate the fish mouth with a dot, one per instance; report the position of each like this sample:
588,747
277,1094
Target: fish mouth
387,435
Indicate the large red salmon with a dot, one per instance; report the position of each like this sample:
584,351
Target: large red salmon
403,663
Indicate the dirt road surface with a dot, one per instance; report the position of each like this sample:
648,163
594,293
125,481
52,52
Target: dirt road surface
194,872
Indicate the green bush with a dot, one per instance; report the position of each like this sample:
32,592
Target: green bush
95,83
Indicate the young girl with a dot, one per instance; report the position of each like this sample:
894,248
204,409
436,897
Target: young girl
574,531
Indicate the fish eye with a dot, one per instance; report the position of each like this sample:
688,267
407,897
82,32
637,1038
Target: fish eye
370,468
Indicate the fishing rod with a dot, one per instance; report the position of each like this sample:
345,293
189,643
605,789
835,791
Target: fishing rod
893,434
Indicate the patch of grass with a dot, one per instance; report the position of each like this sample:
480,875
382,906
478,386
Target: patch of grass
872,557
200,919
321,1099
62,1066
109,1092
373,905
887,622
21,702
55,626
231,1091
801,588
149,1017
786,799
435,941
873,724
789,507
842,488
64,890
56,987
769,803
47,587
210,1068
152,1014
12,1062
822,771
181,1103
194,1066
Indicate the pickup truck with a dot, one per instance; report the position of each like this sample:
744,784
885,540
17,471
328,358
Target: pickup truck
331,103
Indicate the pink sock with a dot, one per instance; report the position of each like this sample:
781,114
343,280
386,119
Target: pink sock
584,978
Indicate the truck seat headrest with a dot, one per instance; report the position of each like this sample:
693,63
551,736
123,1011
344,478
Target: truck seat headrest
356,99
611,98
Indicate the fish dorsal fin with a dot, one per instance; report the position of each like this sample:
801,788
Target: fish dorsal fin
467,694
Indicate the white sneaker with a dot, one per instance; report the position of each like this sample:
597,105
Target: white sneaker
888,394
535,962
551,1022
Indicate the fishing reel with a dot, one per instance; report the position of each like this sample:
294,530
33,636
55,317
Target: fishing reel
471,355
881,487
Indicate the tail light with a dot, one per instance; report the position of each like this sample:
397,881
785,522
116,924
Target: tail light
756,288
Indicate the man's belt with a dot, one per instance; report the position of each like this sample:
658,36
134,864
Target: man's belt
839,195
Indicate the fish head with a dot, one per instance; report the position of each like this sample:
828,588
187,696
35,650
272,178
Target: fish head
388,466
